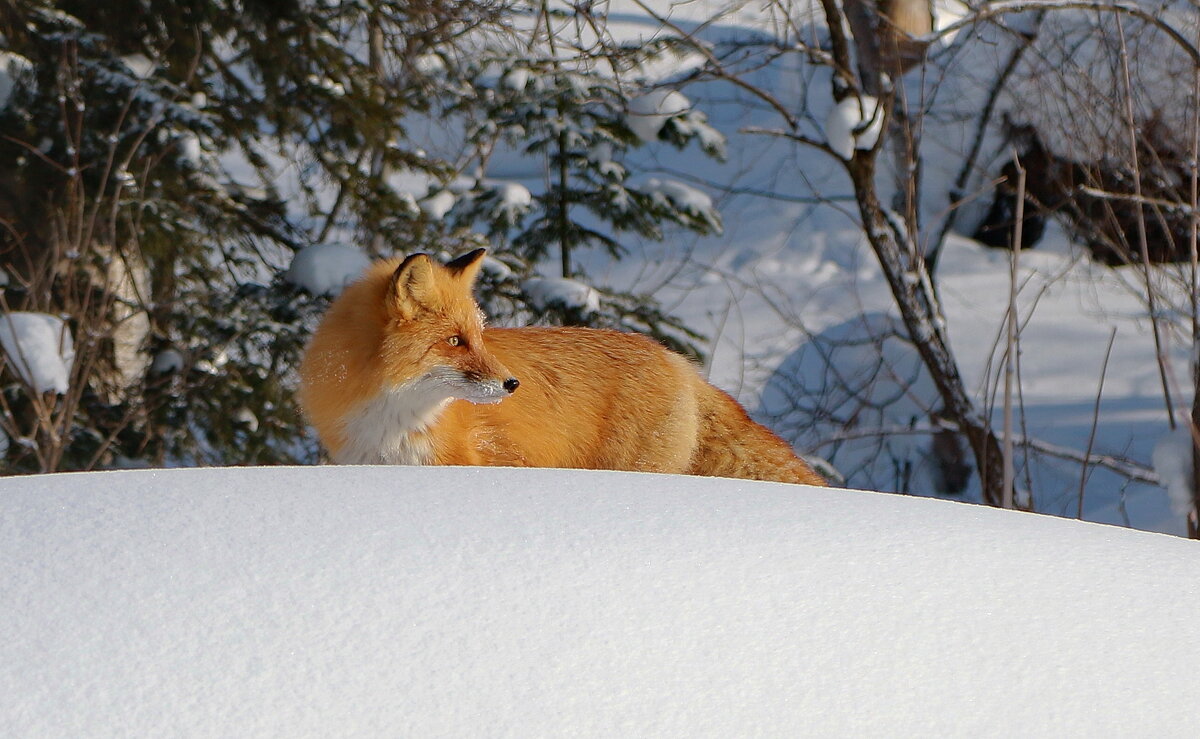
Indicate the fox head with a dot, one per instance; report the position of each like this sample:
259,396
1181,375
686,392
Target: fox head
433,341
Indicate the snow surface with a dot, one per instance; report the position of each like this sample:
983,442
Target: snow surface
39,346
497,269
140,65
325,269
516,78
388,601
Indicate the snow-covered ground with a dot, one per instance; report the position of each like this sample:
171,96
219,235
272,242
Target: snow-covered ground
393,601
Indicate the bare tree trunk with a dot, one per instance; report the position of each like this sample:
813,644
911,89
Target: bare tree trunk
1193,525
905,272
375,53
896,248
863,20
888,38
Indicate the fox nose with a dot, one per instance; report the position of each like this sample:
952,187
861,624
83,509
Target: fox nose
511,384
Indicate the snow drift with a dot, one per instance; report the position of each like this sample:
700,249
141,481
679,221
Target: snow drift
453,601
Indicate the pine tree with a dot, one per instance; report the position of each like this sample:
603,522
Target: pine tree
161,161
581,124
120,211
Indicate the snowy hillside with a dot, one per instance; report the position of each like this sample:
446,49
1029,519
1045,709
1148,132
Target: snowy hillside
450,601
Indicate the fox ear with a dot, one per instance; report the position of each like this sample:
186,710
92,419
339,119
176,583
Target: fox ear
412,283
467,266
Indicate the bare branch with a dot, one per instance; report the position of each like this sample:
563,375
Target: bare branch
1005,7
1123,466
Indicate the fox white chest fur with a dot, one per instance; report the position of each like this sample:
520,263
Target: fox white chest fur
389,428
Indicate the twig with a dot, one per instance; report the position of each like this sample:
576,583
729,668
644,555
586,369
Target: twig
1126,197
1010,363
1194,263
1122,466
1143,242
1083,477
964,173
991,10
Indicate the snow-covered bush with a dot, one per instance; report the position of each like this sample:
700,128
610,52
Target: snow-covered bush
39,348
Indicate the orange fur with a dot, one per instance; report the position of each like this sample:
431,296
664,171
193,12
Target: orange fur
381,382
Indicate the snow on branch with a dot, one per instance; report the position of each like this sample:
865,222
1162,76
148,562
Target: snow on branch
40,349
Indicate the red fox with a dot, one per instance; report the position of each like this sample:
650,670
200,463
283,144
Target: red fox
402,371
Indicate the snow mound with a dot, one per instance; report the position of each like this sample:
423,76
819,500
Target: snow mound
545,292
325,269
373,601
39,346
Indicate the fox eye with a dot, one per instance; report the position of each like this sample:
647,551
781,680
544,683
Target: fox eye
454,340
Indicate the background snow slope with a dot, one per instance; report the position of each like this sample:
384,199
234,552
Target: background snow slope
454,601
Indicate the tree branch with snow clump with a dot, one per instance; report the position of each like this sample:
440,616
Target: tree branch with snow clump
40,349
325,269
560,292
854,124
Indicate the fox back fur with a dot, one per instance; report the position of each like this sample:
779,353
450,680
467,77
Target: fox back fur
402,371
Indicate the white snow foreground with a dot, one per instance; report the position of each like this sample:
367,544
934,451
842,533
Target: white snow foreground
453,601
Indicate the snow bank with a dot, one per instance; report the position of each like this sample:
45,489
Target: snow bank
393,601
324,269
39,346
